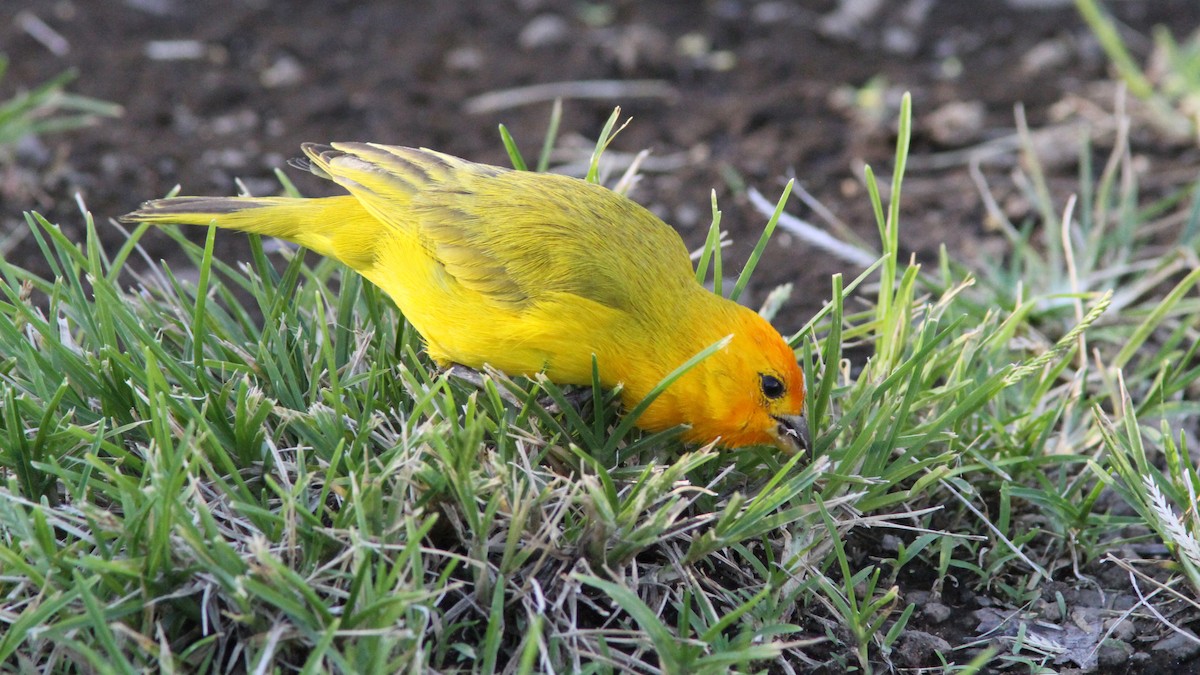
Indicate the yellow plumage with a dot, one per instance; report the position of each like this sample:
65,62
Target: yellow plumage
532,272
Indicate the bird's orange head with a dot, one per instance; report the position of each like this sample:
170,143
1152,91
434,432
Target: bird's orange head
749,393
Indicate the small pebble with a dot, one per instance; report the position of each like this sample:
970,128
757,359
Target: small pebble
687,216
847,21
900,40
918,598
957,123
936,612
1113,653
32,152
1048,610
464,59
916,648
225,158
1178,647
174,50
1124,629
235,122
284,72
544,30
1045,56
773,11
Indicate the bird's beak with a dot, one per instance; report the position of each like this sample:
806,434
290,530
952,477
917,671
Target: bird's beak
791,434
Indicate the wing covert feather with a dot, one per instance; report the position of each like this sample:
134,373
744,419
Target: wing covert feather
515,236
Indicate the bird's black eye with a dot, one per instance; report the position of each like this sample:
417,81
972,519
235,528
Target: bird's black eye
772,387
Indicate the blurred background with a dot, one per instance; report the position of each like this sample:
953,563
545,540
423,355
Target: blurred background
726,94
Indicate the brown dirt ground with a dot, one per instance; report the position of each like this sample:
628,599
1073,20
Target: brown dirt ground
761,90
759,93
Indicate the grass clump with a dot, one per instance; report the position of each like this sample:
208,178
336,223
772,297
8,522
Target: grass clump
1169,85
47,109
194,480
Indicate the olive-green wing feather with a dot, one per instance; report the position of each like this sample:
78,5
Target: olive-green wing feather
513,236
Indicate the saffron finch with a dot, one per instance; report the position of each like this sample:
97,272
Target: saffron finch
534,272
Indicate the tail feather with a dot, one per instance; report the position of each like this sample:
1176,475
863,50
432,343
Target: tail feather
338,227
382,180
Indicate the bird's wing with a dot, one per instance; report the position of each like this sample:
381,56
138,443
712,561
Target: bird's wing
512,236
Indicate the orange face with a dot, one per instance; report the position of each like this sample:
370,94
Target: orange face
749,393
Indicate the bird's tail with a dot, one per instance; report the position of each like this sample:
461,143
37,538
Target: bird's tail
337,227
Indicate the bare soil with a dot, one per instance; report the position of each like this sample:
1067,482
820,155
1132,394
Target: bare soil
758,91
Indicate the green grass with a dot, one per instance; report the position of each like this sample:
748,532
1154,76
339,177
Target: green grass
1169,87
47,109
43,110
193,481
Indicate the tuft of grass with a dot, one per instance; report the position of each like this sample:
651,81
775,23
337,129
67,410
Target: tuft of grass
44,110
1170,86
48,109
198,479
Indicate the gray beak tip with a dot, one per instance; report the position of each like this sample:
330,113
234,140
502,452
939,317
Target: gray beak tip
793,432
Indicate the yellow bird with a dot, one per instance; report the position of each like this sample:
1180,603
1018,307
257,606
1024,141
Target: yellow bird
534,272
